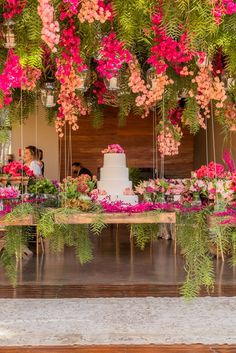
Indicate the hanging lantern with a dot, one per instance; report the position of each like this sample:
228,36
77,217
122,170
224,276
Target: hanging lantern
8,33
85,79
113,83
151,78
48,95
230,82
203,62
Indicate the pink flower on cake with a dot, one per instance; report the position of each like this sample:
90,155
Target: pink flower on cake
128,191
115,148
96,193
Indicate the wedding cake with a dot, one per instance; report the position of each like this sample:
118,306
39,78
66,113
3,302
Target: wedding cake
114,177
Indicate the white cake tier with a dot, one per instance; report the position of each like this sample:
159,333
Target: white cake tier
114,187
114,160
128,199
114,173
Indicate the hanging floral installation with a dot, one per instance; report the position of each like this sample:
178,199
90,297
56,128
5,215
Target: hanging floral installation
176,58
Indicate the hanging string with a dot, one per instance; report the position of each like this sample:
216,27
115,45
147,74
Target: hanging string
156,145
163,155
65,156
69,159
65,161
36,132
71,150
207,144
36,121
153,144
60,157
21,136
213,143
213,134
162,174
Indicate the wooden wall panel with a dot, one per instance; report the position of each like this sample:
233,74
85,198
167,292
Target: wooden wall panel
136,138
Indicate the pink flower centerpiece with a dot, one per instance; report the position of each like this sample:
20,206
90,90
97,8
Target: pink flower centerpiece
212,170
17,169
128,191
76,192
152,190
115,148
9,192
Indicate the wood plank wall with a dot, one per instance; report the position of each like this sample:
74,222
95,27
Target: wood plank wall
136,138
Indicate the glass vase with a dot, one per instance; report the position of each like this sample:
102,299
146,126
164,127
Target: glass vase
196,201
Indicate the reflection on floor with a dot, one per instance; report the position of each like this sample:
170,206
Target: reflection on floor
118,269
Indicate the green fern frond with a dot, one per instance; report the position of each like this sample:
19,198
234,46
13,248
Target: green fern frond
83,245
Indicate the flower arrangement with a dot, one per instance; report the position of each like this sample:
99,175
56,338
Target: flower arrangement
233,183
76,192
31,76
11,77
50,30
167,49
9,192
119,54
94,10
13,8
44,186
114,148
221,8
176,187
148,95
68,68
86,184
220,190
208,88
210,171
113,54
152,190
17,169
169,139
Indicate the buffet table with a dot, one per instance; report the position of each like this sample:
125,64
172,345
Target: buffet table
88,218
118,218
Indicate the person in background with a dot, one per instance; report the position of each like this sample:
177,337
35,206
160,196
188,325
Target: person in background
40,160
31,160
9,158
78,169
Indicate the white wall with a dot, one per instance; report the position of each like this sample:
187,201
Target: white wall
36,131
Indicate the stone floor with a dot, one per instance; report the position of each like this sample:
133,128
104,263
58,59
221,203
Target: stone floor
123,321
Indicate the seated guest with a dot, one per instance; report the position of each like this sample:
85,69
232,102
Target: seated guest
40,160
31,160
78,169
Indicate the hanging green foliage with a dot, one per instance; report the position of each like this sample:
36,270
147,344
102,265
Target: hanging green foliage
120,40
144,234
193,238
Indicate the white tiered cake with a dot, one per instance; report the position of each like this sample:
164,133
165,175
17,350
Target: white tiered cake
114,178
